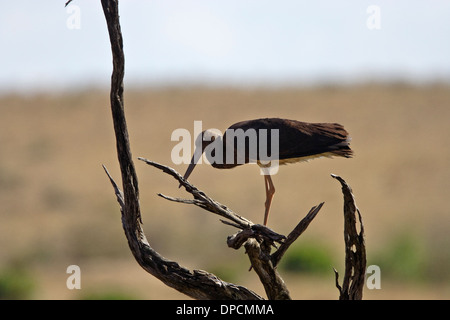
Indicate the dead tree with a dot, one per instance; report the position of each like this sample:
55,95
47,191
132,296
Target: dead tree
258,240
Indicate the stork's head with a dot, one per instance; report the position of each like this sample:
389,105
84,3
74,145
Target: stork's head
201,142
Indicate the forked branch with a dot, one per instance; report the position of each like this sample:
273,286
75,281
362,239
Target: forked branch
257,239
197,284
205,202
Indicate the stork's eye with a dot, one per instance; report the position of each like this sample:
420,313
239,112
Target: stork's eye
213,138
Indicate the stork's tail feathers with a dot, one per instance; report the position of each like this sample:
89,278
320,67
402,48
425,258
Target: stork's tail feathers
342,148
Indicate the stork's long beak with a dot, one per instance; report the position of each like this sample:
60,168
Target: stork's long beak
191,167
189,170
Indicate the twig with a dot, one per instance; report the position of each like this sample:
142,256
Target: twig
336,278
201,199
298,230
117,191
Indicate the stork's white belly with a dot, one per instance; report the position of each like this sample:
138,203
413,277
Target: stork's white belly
307,158
294,160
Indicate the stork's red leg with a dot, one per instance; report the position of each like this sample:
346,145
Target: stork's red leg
270,190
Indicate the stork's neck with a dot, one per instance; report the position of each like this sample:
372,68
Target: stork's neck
216,153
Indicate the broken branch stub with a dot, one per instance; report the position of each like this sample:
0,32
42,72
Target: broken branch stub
355,249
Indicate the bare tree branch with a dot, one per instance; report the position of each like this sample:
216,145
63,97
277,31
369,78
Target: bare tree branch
355,249
197,284
205,202
202,200
298,230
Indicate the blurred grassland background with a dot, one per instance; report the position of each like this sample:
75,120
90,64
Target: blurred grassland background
58,207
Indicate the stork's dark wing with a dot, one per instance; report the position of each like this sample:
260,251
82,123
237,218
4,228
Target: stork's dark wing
301,139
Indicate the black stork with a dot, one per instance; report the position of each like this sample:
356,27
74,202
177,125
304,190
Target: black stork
297,141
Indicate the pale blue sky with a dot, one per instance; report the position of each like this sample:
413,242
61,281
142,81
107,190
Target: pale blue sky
233,42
